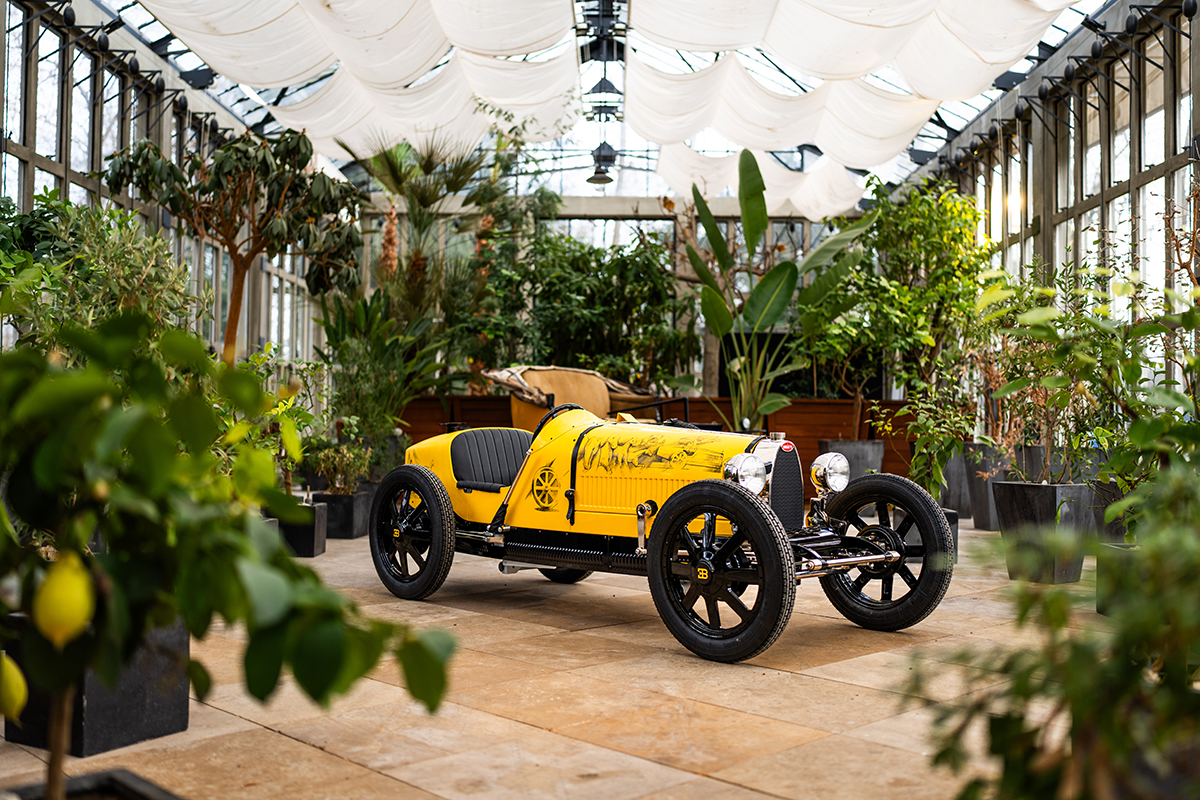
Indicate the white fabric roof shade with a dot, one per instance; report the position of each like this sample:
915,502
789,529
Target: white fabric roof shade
386,70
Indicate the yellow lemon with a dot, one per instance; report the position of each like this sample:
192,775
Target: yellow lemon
13,691
63,605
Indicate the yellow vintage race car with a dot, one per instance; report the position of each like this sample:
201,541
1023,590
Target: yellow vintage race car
716,521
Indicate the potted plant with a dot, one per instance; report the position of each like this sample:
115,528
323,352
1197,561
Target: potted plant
902,314
754,359
131,431
343,465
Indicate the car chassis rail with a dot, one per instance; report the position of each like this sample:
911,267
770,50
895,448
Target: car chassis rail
823,552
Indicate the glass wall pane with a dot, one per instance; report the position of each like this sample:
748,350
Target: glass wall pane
14,46
1154,124
226,274
1014,190
996,209
78,195
43,181
1120,125
285,336
273,311
1183,121
1089,237
1064,237
1119,251
8,177
207,279
1066,175
46,133
81,112
110,132
1091,142
1152,247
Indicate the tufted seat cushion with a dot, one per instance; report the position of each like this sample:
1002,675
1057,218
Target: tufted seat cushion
487,459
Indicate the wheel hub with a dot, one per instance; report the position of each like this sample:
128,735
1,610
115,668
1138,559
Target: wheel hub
887,539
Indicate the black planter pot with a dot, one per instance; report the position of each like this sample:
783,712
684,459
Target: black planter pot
149,700
369,487
306,539
991,461
1104,495
346,514
110,783
1031,515
1112,562
864,455
312,480
956,492
1027,463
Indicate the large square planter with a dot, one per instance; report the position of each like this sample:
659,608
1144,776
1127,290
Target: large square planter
864,455
118,783
346,514
985,465
306,539
1045,528
1104,495
1113,563
956,491
149,700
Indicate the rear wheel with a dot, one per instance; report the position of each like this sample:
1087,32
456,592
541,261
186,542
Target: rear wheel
721,571
412,532
565,575
895,514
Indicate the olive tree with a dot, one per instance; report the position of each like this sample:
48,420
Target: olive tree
254,196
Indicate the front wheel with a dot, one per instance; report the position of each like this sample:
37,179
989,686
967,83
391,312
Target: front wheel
895,514
721,571
412,532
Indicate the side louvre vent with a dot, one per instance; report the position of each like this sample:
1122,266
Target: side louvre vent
787,488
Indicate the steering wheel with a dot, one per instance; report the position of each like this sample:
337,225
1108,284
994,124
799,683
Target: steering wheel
551,414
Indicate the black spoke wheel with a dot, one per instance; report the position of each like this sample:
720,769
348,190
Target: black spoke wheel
565,574
721,571
412,532
895,514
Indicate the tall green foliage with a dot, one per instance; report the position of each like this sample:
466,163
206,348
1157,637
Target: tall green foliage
63,265
754,361
255,195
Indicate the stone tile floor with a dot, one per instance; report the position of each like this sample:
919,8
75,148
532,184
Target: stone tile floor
580,692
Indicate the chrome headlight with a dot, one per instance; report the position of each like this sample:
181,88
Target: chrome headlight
748,470
830,472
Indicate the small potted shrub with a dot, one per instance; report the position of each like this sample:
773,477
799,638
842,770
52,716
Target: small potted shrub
343,466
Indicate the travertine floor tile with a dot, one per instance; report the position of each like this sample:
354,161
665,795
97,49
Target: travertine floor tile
706,789
694,736
221,656
840,767
540,768
556,700
567,650
473,630
912,731
387,737
289,703
891,671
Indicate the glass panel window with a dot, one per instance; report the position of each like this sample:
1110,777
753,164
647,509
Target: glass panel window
1064,236
1089,237
996,209
273,311
8,177
1154,123
81,112
207,279
110,132
14,46
46,135
1091,143
980,203
1120,125
1152,247
78,195
43,181
1183,121
1014,191
226,274
1066,175
1119,250
285,337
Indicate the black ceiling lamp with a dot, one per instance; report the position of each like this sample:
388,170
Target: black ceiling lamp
604,157
604,86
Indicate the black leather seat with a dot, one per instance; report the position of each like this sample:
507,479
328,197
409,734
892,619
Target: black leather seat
488,459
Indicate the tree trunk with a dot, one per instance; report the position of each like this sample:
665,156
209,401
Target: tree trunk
857,414
237,287
59,736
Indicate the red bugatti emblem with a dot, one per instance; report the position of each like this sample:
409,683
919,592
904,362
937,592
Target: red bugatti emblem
787,447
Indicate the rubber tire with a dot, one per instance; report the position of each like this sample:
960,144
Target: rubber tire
937,566
770,542
566,574
440,554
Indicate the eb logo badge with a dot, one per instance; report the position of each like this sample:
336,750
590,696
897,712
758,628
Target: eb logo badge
396,533
702,573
